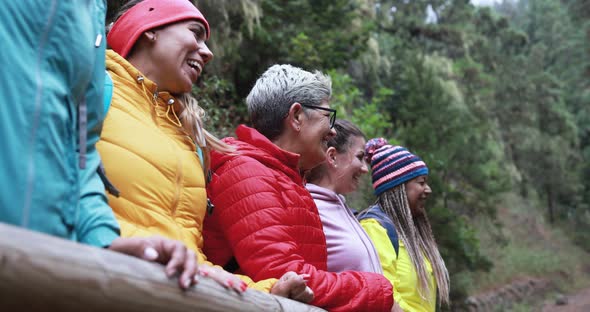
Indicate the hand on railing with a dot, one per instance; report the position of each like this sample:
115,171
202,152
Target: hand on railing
222,277
173,254
293,286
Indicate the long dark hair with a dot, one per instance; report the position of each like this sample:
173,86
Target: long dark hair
416,234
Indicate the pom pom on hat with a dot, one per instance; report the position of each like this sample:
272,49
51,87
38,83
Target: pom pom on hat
392,165
372,146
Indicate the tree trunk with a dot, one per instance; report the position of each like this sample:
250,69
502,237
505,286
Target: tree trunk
550,204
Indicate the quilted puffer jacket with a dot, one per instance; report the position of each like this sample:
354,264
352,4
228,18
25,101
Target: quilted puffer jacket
152,162
266,220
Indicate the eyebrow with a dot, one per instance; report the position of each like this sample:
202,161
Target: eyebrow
194,25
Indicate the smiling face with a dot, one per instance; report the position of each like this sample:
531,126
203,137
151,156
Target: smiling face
315,133
350,166
179,52
418,191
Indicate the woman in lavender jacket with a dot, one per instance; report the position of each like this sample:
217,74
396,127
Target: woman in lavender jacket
349,247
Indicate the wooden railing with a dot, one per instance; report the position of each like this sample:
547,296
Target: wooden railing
43,273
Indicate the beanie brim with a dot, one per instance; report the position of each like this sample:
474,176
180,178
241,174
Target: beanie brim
401,180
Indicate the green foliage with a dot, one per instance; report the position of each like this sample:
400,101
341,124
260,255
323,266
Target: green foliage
352,105
309,34
224,111
303,51
466,170
526,245
536,112
461,247
112,8
580,233
370,118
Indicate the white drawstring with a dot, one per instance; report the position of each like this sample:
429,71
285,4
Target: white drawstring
154,101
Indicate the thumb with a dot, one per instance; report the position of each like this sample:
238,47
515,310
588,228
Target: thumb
283,286
306,296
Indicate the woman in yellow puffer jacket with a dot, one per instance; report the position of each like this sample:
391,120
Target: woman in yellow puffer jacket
399,228
153,145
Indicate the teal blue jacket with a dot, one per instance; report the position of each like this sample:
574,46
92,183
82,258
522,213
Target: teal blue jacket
51,88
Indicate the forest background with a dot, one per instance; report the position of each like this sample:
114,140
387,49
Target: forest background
496,100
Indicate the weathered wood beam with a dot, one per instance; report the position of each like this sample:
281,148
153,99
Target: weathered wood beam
43,273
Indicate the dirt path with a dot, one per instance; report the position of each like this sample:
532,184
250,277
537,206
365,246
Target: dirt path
578,302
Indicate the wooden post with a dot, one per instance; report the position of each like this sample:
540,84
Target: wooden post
44,273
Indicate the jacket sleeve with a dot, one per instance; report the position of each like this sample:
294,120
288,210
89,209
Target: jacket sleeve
95,222
387,256
262,231
95,225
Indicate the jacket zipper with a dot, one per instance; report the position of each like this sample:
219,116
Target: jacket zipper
36,117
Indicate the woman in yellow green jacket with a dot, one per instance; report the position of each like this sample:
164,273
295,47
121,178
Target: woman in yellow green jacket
400,230
153,145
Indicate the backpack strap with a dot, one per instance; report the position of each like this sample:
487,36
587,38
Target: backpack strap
375,212
107,183
107,97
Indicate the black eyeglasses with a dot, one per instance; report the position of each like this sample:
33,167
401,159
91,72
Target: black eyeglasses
331,115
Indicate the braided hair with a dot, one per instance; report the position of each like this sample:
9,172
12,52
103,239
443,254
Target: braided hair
414,231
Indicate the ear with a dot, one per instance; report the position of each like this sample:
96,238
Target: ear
295,117
331,156
150,35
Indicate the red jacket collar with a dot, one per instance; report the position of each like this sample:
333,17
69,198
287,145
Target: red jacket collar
253,144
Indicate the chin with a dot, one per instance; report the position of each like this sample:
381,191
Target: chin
180,89
352,187
185,84
187,88
350,190
421,211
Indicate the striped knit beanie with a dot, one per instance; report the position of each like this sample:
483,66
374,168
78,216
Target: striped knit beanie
392,165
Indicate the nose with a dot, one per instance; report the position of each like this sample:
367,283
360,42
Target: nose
427,190
364,167
205,53
332,133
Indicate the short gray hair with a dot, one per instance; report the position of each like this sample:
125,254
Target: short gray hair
277,89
